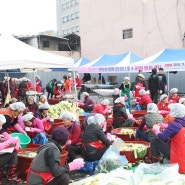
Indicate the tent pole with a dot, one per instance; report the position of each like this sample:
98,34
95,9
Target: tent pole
168,83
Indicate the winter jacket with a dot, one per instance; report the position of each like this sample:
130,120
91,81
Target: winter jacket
173,99
88,102
145,100
119,115
47,159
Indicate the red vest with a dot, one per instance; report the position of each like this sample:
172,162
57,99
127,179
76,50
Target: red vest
177,149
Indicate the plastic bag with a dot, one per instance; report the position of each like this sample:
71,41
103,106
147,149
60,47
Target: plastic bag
156,173
88,167
111,158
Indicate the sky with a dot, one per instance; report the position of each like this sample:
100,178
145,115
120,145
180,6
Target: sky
23,17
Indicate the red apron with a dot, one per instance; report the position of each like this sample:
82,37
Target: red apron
46,176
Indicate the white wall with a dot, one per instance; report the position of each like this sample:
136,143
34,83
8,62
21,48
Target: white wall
157,24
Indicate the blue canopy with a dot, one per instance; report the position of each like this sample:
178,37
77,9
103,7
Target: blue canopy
81,61
110,63
169,59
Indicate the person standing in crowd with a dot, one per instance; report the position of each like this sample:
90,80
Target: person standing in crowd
86,78
94,141
78,84
138,85
8,160
50,88
38,83
67,85
30,85
162,80
13,87
73,145
45,167
125,88
154,86
22,89
101,79
139,72
170,142
150,119
173,97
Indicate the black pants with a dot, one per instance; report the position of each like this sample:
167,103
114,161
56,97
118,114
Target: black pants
87,108
50,94
61,180
154,96
94,155
73,150
158,146
8,158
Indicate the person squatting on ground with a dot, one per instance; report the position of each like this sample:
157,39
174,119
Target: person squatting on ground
94,140
45,168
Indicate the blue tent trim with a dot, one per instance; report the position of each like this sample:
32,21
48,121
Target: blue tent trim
110,60
134,58
82,61
170,55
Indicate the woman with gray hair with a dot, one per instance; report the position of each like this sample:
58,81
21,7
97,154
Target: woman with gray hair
94,140
38,83
171,141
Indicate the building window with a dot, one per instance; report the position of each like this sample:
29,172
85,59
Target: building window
64,32
73,30
77,28
127,33
64,19
63,6
77,15
45,44
72,16
72,2
67,5
77,1
68,31
68,17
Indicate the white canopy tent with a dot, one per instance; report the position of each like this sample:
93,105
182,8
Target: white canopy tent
15,54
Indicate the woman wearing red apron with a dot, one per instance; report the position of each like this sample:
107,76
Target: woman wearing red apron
45,168
94,140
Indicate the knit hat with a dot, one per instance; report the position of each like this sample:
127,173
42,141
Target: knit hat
181,100
27,117
116,91
177,110
141,75
17,106
85,94
105,102
173,90
119,100
126,78
142,92
60,134
44,106
163,96
152,108
43,97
